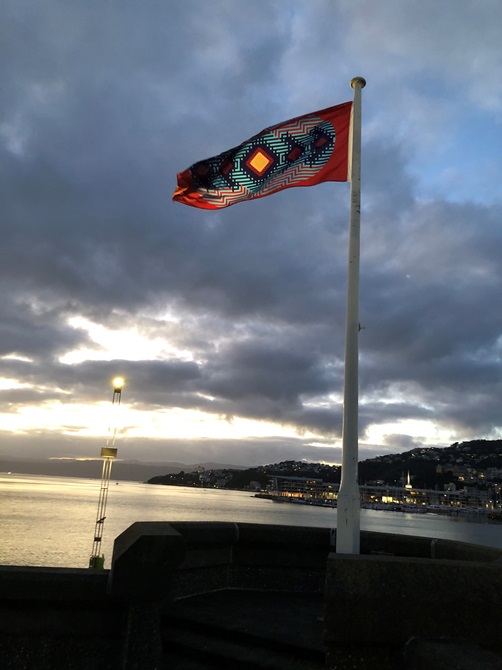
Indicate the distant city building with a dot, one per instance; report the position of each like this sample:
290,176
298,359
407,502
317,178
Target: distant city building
310,489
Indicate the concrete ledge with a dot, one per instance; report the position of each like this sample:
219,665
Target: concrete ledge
425,547
284,546
380,601
23,652
51,615
144,557
207,544
250,556
207,533
56,584
402,587
448,655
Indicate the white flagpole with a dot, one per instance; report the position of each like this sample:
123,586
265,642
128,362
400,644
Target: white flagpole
348,507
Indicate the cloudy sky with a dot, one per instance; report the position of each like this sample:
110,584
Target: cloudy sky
228,326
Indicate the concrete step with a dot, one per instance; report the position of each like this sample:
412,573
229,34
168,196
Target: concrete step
193,650
423,654
245,631
180,661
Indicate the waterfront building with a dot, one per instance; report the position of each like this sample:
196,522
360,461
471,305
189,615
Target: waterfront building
315,490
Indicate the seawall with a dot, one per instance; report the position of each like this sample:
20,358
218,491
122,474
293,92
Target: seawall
399,602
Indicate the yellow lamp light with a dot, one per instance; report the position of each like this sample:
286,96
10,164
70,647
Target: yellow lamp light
118,383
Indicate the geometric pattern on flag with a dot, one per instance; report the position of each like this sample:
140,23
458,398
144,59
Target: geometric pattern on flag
279,157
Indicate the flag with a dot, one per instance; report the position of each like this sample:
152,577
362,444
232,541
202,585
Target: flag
303,151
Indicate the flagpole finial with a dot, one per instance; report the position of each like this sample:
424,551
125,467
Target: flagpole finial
358,80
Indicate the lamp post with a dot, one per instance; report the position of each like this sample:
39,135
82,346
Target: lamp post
108,454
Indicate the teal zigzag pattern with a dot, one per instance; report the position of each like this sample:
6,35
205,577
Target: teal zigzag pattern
240,184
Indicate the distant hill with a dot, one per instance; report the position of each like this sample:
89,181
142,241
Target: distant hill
476,462
121,470
428,467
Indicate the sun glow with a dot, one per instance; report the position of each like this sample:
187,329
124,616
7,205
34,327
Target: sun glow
7,384
124,342
98,419
427,432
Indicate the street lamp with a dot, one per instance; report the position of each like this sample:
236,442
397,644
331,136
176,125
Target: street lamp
108,454
118,383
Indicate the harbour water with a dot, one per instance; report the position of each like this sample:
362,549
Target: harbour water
49,521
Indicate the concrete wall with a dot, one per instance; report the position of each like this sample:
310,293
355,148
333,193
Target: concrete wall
111,618
251,556
51,615
404,591
401,588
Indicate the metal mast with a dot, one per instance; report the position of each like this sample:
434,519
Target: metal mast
108,454
348,504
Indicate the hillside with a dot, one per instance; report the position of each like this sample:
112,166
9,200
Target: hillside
466,463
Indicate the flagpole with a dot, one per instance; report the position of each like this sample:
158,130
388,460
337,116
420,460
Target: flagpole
348,507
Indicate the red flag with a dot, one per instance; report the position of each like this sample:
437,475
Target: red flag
303,151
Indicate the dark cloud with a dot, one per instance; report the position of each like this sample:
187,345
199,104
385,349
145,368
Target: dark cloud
102,104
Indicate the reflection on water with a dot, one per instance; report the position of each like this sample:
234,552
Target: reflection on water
50,520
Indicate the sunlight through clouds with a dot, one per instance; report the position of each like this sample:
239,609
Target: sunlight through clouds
122,343
229,325
428,433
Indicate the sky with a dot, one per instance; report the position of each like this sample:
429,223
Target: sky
229,326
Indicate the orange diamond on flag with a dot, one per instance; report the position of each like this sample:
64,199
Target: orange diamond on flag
259,161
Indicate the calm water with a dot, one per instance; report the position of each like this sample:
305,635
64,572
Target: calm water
49,521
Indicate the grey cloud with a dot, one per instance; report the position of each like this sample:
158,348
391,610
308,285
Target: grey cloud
104,103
